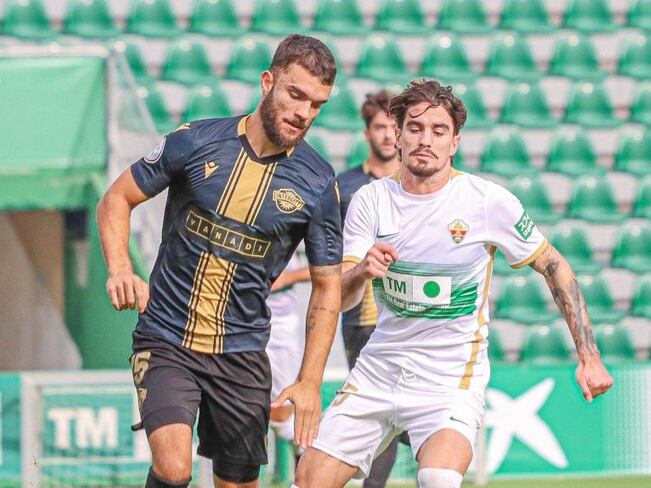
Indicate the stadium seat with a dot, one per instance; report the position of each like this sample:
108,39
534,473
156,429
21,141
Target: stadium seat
590,106
521,300
639,14
27,19
249,58
614,343
632,249
471,98
136,62
525,105
545,345
401,17
534,197
635,58
206,102
575,57
152,18
186,62
505,153
340,113
381,60
510,57
641,107
598,299
466,16
571,153
642,204
445,59
359,152
216,18
592,199
573,243
634,152
339,17
275,17
526,16
319,145
90,19
157,109
496,352
641,301
589,16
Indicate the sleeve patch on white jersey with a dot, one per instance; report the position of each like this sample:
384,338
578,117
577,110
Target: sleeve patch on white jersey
525,226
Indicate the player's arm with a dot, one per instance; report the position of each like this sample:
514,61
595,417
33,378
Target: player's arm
591,374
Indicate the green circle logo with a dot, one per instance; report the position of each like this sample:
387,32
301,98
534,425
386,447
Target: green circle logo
431,289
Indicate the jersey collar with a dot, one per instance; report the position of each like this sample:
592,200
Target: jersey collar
241,133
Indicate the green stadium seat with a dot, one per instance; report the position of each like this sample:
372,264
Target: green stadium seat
526,16
157,109
575,57
91,19
339,17
510,57
505,153
216,18
275,17
249,58
477,114
571,153
340,113
592,199
639,14
401,17
641,301
206,102
359,152
641,107
152,18
573,243
319,145
135,60
642,204
496,352
634,152
186,62
445,59
545,345
466,16
522,300
27,19
598,299
525,105
380,60
635,59
534,197
589,16
632,249
614,343
590,106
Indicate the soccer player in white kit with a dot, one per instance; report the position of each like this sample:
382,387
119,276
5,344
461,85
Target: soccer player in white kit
428,236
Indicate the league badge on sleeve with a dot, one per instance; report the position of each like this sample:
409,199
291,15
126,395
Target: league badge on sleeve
155,153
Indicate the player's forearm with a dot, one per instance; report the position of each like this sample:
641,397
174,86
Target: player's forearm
113,221
353,284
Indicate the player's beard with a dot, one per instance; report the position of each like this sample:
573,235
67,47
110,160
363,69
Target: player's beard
381,156
423,170
271,123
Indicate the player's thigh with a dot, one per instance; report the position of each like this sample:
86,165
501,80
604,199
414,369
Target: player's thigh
316,469
446,448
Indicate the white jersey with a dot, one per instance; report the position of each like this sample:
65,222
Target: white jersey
283,302
433,305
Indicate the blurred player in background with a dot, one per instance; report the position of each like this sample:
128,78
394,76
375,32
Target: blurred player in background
358,323
243,192
427,237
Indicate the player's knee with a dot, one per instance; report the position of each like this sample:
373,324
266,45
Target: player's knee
236,473
439,478
155,480
284,429
173,469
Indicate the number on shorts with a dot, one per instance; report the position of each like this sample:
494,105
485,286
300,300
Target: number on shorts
139,364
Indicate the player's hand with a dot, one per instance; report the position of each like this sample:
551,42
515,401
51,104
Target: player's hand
306,397
377,260
127,290
592,377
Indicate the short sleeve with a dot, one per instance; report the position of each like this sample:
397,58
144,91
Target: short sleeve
155,171
323,237
360,226
511,228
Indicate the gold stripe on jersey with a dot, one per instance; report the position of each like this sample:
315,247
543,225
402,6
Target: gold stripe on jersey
533,257
481,319
194,298
262,192
368,309
464,384
232,182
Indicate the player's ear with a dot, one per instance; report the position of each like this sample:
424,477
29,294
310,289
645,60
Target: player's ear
266,82
455,144
398,132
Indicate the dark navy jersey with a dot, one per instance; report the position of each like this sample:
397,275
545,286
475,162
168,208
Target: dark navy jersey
232,222
364,314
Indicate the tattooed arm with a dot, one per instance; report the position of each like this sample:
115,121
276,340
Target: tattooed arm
591,375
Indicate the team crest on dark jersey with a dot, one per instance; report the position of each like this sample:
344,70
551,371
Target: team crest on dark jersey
287,200
458,230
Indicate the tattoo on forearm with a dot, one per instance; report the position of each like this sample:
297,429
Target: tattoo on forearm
547,263
570,302
314,312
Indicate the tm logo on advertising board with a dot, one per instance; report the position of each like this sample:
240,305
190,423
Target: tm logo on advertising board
93,428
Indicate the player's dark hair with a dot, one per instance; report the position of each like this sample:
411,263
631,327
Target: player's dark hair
308,52
375,103
435,94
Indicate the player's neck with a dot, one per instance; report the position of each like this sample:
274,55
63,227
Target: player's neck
379,169
417,185
258,139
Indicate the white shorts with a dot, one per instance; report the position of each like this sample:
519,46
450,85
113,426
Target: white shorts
285,351
370,410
